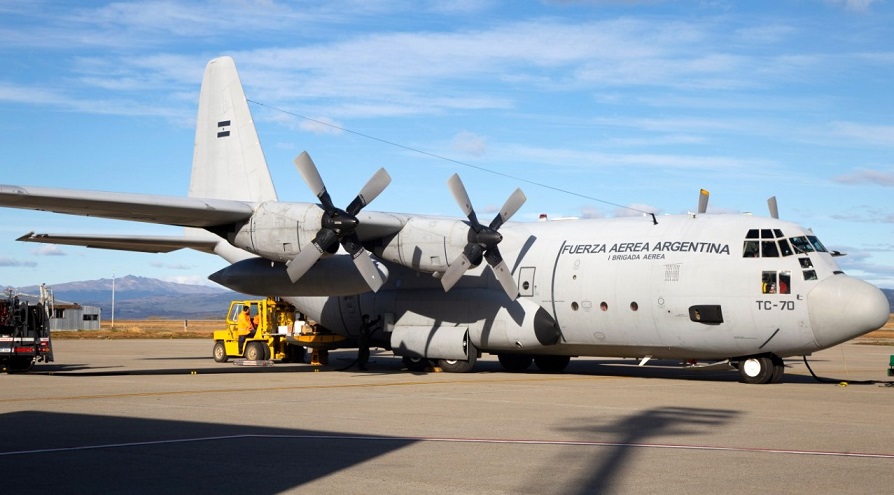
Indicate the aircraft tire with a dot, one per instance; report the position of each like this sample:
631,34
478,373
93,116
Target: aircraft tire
515,362
552,364
416,363
457,366
756,369
220,352
778,369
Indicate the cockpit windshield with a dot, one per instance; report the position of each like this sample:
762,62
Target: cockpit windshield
767,243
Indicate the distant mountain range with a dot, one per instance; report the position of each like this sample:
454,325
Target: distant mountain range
142,297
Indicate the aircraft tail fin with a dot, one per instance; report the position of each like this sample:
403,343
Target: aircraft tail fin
228,162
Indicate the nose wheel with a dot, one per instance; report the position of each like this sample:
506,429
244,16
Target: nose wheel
765,368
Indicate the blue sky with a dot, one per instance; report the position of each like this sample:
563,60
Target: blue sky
628,103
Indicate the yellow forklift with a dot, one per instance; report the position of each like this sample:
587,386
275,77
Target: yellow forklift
282,334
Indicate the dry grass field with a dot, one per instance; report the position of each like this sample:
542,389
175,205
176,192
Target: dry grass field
202,329
148,329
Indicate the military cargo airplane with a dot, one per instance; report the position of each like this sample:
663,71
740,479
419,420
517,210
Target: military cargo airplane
736,290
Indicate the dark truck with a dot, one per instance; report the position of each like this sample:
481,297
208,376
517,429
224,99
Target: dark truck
24,335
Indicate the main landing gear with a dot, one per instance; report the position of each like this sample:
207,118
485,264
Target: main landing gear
763,368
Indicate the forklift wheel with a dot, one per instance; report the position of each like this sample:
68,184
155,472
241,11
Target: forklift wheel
220,352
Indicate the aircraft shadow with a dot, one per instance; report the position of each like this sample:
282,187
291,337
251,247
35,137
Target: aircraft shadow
83,453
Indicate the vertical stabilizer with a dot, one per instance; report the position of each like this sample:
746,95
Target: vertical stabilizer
228,162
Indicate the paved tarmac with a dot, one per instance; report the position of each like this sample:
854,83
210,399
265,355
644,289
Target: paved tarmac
160,416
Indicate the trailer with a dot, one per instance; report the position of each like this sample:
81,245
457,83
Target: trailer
24,335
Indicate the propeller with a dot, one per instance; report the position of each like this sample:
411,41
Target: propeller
483,240
703,201
337,226
774,208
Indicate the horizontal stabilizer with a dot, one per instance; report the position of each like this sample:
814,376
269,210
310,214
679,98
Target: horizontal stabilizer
143,244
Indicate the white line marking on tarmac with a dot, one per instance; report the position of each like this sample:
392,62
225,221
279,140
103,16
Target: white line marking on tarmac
570,443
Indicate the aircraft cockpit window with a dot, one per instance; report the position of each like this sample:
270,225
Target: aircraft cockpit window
778,233
767,234
817,244
752,234
802,245
769,249
751,250
785,248
809,274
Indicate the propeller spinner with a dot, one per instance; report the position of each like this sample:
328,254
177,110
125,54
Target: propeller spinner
337,225
483,240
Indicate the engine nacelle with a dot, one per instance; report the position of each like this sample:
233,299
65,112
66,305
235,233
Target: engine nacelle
278,231
426,244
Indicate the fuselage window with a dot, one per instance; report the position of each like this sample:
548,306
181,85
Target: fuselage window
776,283
805,262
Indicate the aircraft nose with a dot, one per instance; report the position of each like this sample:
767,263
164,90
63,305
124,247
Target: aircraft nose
843,307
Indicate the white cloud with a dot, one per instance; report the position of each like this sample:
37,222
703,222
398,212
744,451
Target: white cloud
880,135
48,250
867,176
6,261
854,5
470,143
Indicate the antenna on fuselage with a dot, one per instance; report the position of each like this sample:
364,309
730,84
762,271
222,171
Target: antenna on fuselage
703,201
774,208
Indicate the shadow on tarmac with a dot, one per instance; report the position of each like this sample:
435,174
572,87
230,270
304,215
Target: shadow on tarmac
74,453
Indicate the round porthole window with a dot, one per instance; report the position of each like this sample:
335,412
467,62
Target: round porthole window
634,306
603,306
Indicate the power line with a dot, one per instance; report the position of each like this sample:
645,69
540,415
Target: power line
451,160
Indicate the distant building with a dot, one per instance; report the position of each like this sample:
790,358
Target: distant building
67,315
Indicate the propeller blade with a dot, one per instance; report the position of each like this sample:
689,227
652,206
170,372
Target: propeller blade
376,184
368,270
455,271
513,203
311,175
774,208
501,271
703,201
462,199
302,261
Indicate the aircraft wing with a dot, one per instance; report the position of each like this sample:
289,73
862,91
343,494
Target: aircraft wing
140,243
167,210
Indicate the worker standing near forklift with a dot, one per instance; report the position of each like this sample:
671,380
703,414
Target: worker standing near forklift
247,327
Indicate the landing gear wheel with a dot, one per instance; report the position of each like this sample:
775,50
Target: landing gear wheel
457,366
778,369
255,351
220,352
515,362
416,363
756,369
552,364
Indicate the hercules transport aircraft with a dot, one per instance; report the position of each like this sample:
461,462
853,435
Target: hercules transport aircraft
726,290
